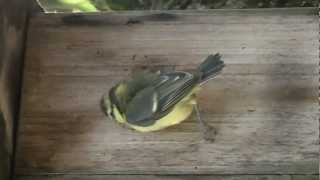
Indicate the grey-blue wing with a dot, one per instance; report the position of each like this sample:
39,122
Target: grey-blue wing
152,103
178,85
142,108
149,97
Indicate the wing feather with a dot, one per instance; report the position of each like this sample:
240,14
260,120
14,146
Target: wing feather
175,90
154,102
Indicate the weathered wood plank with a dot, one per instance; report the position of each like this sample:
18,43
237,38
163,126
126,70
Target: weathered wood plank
264,104
259,92
305,177
12,32
166,177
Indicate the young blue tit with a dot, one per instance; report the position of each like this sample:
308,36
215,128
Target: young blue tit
154,101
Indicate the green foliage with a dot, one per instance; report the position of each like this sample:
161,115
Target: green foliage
120,4
79,5
68,6
110,5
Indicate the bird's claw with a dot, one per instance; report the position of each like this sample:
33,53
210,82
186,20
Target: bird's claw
209,134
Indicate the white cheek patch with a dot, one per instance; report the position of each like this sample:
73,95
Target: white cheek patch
176,78
155,102
109,108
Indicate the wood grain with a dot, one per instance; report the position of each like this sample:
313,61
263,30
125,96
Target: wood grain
172,177
13,16
264,104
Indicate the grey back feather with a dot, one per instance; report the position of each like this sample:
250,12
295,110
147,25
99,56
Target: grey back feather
150,96
168,91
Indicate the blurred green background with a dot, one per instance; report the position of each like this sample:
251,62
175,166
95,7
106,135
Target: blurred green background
114,5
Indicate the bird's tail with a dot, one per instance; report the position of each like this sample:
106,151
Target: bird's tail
210,67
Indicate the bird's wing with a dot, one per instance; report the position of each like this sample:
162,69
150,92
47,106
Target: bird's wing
153,102
141,109
178,85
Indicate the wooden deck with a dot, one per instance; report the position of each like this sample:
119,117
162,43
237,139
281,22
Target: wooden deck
13,20
170,177
264,104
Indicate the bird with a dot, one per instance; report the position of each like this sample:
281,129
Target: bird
153,101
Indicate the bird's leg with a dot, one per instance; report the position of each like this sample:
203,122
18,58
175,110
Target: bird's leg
208,131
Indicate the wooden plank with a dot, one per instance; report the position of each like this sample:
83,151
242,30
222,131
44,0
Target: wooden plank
166,177
305,177
263,105
12,33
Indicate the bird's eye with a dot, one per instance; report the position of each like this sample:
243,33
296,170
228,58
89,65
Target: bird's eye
112,115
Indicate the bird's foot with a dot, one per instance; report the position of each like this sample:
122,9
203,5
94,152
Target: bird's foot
209,134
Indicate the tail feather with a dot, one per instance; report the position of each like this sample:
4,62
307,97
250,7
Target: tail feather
210,67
